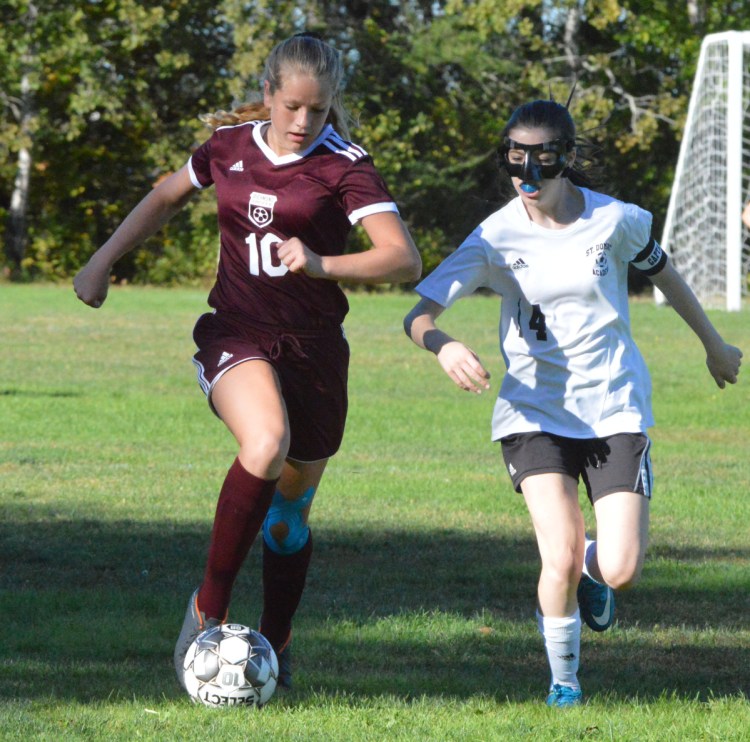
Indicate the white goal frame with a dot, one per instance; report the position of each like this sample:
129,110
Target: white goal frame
703,231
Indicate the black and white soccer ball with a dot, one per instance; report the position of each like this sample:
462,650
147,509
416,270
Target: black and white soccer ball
231,665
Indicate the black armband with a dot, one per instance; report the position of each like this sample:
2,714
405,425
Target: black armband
651,260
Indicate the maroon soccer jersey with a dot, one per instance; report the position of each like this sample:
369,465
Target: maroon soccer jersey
264,199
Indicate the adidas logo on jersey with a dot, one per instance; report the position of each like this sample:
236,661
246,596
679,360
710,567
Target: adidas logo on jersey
238,167
520,263
224,358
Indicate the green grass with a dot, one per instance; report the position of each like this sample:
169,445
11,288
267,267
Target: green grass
417,623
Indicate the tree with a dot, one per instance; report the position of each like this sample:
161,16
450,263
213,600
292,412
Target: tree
21,108
112,91
633,62
100,99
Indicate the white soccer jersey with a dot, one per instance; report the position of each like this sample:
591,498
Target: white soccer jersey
572,366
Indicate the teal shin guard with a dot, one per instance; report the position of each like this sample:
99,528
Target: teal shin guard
288,512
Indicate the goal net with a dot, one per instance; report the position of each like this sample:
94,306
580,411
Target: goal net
703,232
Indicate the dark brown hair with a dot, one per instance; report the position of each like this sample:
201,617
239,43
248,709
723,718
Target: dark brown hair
554,116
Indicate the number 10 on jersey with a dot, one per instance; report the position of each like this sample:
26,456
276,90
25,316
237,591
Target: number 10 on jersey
263,257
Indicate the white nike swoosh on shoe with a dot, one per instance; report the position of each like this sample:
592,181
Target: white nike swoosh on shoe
603,618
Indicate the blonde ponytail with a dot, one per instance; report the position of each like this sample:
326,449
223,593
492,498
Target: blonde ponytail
246,112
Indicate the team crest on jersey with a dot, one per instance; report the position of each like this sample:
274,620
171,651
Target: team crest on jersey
601,265
260,209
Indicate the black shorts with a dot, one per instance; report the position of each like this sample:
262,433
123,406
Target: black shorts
312,367
617,463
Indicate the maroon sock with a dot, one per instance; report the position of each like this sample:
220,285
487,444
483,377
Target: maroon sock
243,503
284,578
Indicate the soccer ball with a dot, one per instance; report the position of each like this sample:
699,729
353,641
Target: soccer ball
231,665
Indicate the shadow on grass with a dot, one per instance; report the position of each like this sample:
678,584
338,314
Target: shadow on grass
36,393
91,610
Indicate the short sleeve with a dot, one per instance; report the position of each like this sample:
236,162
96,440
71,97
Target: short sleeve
643,252
199,165
460,274
635,232
363,191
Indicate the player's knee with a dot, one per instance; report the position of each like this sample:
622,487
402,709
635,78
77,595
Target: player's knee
265,450
285,528
622,575
624,581
563,568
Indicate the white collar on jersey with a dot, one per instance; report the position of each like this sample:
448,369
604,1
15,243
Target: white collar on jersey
292,157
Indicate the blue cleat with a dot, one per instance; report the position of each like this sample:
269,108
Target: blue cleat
597,603
563,696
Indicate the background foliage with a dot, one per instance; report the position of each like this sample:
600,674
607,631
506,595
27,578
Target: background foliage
102,98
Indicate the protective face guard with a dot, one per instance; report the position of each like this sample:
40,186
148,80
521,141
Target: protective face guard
531,169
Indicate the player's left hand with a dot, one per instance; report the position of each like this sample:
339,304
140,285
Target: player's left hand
724,364
299,258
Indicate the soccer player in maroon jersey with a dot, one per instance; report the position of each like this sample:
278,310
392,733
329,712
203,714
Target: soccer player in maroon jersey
272,357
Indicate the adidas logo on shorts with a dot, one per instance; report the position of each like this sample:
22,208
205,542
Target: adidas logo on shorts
224,358
238,167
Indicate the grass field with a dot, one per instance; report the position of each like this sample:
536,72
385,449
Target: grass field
418,619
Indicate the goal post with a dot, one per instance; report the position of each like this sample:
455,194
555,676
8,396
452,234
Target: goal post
703,231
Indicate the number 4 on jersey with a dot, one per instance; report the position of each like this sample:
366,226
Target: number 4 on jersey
537,322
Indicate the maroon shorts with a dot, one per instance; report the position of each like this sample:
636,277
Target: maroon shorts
312,367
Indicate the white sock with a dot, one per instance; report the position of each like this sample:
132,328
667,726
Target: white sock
589,557
562,640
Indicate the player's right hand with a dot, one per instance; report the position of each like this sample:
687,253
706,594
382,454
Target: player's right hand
724,364
91,285
464,367
299,258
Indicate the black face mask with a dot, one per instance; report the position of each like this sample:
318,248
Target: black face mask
531,170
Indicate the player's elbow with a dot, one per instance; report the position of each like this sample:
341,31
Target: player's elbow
410,269
414,273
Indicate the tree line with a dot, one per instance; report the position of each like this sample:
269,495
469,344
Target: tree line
100,99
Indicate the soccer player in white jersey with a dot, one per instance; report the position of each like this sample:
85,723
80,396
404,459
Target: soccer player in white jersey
272,357
575,400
